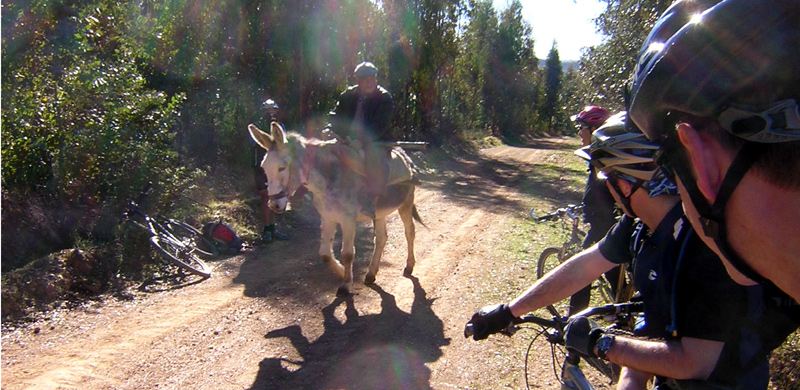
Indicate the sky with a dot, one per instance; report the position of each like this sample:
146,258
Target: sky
568,22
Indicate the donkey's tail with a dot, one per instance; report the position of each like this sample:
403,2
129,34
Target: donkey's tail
415,215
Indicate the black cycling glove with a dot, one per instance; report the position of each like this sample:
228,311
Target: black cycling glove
488,320
581,334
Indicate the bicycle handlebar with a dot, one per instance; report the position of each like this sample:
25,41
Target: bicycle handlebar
609,309
133,205
559,323
572,211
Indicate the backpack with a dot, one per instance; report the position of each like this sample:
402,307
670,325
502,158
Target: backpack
223,236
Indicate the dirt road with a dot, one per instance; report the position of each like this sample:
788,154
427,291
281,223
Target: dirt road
270,319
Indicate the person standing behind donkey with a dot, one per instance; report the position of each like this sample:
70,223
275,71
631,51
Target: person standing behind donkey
269,232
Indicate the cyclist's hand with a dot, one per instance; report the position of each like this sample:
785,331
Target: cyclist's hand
581,334
488,320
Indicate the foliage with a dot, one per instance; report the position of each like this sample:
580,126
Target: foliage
516,73
82,123
606,68
784,372
552,86
82,128
495,83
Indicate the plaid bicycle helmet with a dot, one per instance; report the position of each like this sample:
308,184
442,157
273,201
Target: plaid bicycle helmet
734,60
593,116
621,150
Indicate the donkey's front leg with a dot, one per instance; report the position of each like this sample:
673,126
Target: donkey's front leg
381,236
327,231
348,255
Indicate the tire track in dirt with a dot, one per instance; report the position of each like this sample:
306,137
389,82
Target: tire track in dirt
71,364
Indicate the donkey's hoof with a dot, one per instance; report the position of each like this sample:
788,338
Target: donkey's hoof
369,279
407,271
343,292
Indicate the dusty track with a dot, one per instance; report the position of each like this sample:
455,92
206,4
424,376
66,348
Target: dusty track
269,319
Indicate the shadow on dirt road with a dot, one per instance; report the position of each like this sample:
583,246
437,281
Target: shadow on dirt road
384,350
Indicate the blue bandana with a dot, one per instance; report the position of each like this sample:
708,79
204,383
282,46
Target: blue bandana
661,184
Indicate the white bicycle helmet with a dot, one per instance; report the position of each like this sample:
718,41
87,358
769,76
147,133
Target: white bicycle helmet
622,150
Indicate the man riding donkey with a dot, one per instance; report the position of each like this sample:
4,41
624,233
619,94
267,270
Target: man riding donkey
346,175
362,119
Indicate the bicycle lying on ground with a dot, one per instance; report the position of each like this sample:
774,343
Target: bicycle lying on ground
551,257
175,241
572,376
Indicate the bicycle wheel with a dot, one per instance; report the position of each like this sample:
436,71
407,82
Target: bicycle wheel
191,237
178,254
548,260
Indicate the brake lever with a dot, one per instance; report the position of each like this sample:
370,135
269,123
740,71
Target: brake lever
509,330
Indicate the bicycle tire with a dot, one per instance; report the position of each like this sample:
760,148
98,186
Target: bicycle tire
549,259
177,254
193,237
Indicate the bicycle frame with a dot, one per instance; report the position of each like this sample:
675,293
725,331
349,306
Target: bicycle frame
570,216
151,224
572,378
575,244
169,238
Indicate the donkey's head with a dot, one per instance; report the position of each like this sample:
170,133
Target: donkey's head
277,165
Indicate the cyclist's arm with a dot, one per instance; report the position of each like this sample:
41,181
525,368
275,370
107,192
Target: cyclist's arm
574,274
687,358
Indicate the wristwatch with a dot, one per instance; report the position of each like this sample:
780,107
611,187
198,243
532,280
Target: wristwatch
603,345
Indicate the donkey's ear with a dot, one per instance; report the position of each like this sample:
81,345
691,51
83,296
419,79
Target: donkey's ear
262,139
278,134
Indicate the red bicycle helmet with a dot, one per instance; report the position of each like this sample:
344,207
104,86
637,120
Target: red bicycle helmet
593,116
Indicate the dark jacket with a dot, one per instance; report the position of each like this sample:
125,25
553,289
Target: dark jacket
598,208
378,109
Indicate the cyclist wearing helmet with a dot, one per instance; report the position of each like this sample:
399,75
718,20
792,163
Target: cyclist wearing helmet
598,205
588,120
362,117
695,316
717,86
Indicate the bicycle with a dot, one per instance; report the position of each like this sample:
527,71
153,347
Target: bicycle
175,241
572,376
551,257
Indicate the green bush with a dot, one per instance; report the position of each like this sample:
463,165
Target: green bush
82,131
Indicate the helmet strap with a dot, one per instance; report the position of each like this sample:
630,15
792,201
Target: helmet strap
626,199
712,217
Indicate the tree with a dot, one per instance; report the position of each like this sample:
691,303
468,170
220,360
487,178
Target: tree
516,72
552,87
607,67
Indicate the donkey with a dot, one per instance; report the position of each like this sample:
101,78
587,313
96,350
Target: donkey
333,173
